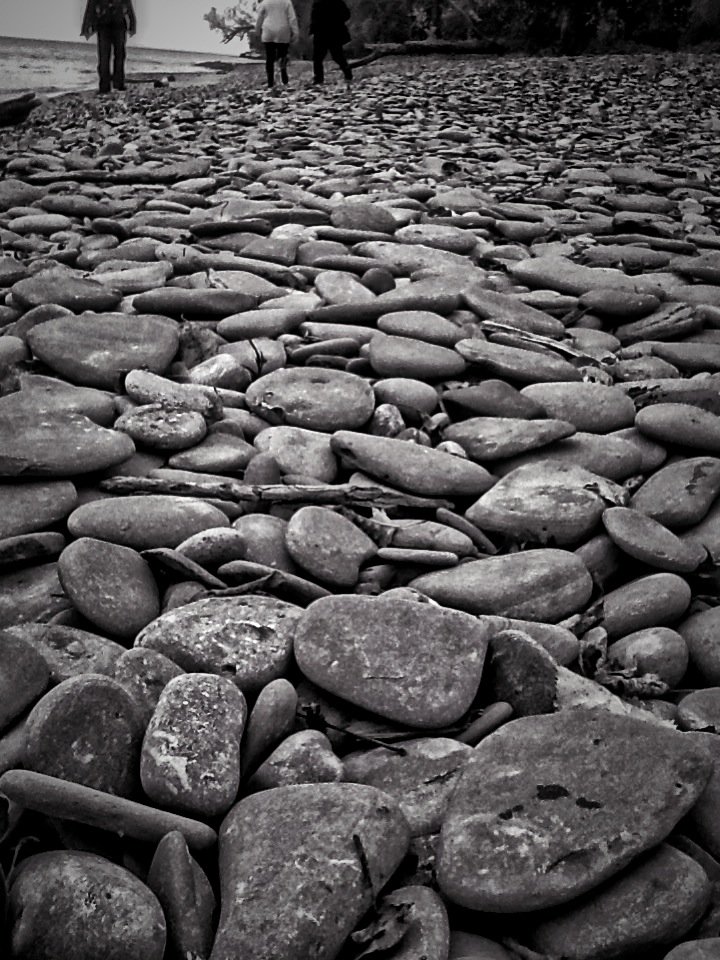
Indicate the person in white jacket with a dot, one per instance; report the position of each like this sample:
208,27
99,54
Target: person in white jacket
277,28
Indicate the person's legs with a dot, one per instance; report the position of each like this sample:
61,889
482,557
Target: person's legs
270,56
104,46
282,55
118,42
338,55
319,51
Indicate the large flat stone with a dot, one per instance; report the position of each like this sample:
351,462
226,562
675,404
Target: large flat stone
550,806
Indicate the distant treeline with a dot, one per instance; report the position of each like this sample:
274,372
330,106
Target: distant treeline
559,26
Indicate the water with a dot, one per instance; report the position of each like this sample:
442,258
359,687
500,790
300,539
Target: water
54,66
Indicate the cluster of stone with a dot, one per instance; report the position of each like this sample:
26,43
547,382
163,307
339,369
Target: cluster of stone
359,475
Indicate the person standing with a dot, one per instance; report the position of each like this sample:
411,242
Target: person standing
328,26
277,28
111,20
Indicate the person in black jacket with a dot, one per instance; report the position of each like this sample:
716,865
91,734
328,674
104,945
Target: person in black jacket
328,26
112,20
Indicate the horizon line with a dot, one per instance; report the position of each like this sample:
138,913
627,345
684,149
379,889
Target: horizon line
136,46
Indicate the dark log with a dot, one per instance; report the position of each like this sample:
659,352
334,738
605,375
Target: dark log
342,493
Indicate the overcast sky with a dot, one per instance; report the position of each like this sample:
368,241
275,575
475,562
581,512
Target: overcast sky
167,24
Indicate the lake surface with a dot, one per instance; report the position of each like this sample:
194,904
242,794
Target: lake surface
54,66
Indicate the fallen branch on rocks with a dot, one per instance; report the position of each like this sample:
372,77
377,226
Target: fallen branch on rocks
345,494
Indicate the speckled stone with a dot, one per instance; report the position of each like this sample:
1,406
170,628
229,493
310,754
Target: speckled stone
190,759
421,780
313,398
650,905
67,903
145,674
161,428
294,882
327,545
88,730
144,522
550,806
111,586
245,639
409,662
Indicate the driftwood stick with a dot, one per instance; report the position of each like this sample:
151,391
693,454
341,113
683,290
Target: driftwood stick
340,493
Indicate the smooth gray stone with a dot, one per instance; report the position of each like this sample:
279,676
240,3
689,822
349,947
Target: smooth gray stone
409,662
96,349
58,445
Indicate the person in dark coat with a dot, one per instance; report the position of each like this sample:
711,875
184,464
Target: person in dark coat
111,20
328,26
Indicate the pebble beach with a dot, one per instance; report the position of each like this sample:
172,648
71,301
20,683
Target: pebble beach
360,515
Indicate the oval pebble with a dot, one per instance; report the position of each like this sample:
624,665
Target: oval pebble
145,522
88,730
111,586
315,399
190,759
